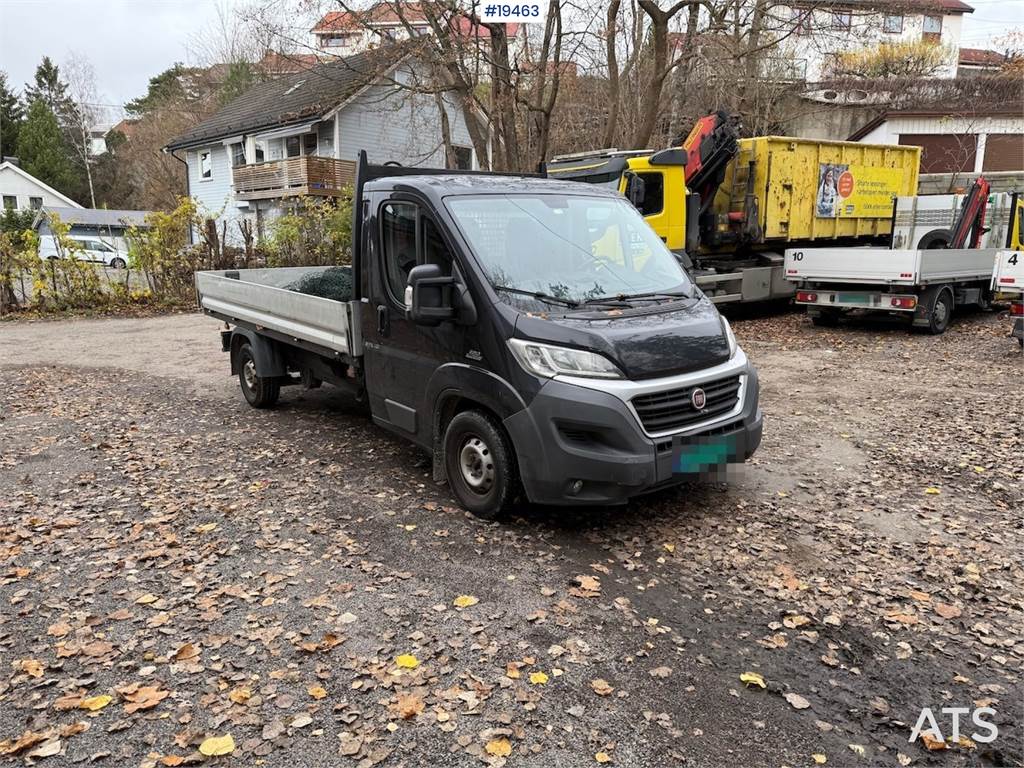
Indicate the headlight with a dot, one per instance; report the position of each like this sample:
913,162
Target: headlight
733,346
548,360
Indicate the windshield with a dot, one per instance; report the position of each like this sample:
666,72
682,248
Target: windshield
575,249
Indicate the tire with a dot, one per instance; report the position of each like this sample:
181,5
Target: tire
118,263
480,464
259,391
936,239
940,310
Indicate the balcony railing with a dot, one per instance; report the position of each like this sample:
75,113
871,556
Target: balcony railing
294,176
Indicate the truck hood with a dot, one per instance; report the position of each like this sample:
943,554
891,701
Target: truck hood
646,343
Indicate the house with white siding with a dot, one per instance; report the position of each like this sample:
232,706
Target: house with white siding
300,135
21,191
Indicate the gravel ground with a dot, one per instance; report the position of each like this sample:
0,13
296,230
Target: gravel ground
175,566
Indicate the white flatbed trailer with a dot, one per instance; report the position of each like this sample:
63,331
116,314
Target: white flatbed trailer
925,284
1008,283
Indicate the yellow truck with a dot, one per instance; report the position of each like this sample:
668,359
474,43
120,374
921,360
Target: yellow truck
730,207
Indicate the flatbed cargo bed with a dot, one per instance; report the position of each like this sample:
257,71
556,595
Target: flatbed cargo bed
257,298
882,266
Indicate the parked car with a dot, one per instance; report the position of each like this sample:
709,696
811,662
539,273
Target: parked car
88,248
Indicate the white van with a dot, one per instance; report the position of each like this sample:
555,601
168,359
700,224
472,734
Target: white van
88,248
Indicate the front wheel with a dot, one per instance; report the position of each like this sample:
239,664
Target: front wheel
480,464
259,391
118,263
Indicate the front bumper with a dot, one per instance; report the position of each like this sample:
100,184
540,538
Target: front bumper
582,445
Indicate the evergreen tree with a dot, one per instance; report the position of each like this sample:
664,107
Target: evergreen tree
12,114
51,90
170,86
42,150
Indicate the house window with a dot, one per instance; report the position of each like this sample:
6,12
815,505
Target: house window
309,144
892,24
461,158
35,203
292,146
237,154
842,20
932,30
801,21
205,166
398,245
10,202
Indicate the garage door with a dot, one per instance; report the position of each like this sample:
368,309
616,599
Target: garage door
1004,152
943,152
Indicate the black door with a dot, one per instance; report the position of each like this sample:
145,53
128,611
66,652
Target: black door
400,356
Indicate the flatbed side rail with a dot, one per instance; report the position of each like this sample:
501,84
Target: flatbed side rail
323,322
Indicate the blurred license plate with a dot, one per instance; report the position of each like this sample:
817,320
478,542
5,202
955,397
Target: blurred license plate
699,453
855,298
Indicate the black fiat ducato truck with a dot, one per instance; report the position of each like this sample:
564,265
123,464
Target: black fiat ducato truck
535,336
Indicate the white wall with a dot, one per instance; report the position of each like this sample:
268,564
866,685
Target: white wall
16,184
216,196
866,31
889,132
391,123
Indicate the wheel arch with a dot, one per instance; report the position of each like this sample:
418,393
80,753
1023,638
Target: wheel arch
266,353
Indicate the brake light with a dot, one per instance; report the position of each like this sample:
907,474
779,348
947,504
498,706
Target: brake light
903,302
1007,280
806,296
1017,310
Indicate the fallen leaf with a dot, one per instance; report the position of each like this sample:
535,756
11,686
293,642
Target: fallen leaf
948,611
465,601
932,743
752,678
857,749
601,687
499,747
797,701
301,720
588,583
408,705
407,661
31,667
819,758
793,622
186,652
144,697
661,672
48,748
317,691
538,678
240,695
603,757
172,760
217,745
932,491
94,703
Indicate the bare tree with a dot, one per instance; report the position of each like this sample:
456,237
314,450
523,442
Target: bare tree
81,79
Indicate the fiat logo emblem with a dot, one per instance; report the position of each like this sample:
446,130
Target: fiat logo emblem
699,398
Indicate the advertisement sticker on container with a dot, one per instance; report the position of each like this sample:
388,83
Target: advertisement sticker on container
856,191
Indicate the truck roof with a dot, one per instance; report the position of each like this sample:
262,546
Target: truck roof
445,185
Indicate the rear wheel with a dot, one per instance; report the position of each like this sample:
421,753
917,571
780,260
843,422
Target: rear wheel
259,391
118,263
940,310
480,464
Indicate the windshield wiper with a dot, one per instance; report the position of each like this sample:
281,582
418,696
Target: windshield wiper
540,295
623,298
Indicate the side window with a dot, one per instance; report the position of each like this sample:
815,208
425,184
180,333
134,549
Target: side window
398,245
434,249
654,193
205,166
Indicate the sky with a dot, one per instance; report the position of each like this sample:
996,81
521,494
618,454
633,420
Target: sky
130,41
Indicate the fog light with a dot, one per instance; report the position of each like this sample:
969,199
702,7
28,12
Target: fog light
576,487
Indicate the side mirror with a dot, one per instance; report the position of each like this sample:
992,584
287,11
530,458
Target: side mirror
636,190
428,295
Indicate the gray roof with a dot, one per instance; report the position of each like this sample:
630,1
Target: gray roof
293,98
93,217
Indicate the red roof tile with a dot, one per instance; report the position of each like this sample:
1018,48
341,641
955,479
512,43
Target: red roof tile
981,57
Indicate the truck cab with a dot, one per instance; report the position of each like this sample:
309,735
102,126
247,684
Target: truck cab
531,335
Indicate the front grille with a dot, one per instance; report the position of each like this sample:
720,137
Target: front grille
673,408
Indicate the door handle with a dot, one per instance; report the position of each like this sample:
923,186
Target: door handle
383,325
